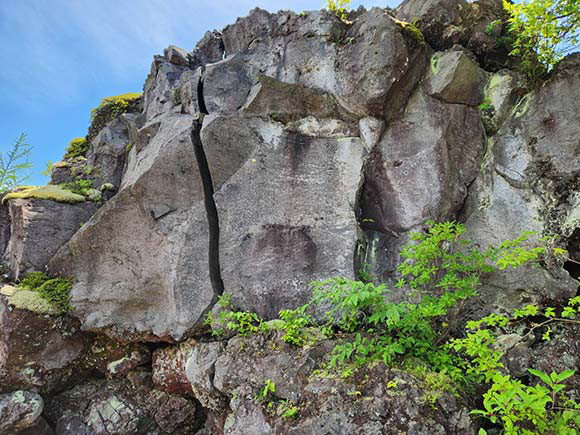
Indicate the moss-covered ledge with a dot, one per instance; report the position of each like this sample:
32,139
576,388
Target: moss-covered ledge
50,192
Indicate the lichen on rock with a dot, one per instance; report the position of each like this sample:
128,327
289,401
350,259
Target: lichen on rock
50,192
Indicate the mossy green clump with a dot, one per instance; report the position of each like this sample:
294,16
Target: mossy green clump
77,147
55,291
33,301
111,108
52,193
411,31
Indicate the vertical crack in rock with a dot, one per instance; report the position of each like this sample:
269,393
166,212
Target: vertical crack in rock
210,205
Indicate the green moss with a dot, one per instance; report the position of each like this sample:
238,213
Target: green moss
434,62
52,193
77,147
34,280
412,31
57,291
111,108
33,301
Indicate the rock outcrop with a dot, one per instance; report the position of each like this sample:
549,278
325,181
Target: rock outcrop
284,149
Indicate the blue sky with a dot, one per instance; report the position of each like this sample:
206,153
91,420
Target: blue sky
60,57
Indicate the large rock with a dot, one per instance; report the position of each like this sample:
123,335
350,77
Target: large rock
38,228
287,214
455,78
371,67
19,412
530,183
130,406
325,404
4,228
41,351
419,170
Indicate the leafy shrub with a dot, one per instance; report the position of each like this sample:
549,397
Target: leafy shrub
79,186
545,31
77,147
339,8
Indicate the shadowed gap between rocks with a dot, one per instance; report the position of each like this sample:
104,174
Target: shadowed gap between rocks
209,202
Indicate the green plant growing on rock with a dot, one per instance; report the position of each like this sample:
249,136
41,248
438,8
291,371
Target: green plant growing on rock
518,408
14,163
338,8
546,30
54,290
111,108
77,147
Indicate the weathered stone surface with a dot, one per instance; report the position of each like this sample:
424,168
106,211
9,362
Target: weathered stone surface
159,90
476,25
176,55
43,352
169,368
326,404
4,227
318,51
38,229
455,78
529,184
287,214
209,49
130,406
200,370
416,174
19,411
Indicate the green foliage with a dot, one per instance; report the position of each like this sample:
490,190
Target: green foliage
14,163
519,408
239,322
34,280
339,8
268,389
54,290
545,30
79,186
286,409
490,29
111,108
49,167
77,147
486,106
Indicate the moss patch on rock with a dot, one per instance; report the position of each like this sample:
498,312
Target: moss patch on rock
111,108
77,147
33,301
411,31
52,193
55,291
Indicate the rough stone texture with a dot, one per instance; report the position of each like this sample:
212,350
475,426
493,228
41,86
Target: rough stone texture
287,214
159,96
455,78
200,370
130,406
176,55
4,227
38,229
326,404
317,50
448,22
529,184
45,353
417,174
169,368
19,411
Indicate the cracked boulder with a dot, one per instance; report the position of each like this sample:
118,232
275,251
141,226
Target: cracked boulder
20,414
287,213
529,184
417,174
129,406
370,67
38,228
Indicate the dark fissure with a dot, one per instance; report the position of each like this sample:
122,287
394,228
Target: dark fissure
210,205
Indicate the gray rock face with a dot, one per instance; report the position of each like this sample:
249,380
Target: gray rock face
324,404
416,174
287,214
529,185
4,228
455,78
19,411
38,228
357,65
